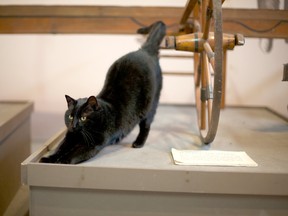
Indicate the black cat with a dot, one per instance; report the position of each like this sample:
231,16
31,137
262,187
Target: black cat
129,97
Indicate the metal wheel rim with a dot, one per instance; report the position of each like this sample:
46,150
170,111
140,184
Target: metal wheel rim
217,86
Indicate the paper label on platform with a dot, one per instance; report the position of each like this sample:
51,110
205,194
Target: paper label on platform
212,158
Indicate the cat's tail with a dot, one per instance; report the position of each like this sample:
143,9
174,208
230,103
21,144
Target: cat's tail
156,32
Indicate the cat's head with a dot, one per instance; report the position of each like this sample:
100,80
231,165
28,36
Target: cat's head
80,112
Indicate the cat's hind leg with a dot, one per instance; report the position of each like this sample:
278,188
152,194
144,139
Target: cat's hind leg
143,134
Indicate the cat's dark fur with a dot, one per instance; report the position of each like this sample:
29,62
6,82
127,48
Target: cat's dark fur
129,97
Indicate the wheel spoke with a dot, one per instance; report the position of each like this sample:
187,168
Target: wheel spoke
208,15
210,54
209,91
188,8
197,69
203,90
206,92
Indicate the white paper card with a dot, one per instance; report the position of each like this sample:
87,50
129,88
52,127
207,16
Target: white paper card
212,158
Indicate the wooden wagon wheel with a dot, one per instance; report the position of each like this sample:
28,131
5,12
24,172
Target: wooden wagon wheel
208,51
208,94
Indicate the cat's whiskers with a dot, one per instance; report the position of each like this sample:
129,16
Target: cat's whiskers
88,137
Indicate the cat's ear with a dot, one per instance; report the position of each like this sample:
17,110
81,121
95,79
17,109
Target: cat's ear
70,101
92,101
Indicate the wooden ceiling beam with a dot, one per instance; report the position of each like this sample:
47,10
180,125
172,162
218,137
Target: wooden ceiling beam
126,20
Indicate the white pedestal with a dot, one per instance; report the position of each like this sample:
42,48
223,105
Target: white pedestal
14,147
124,181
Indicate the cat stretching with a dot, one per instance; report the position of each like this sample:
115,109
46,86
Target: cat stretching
129,97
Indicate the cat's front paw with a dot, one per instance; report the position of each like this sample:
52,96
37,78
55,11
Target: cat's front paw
49,159
46,160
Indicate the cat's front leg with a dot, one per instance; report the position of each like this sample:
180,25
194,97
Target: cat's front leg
81,154
63,149
53,158
57,157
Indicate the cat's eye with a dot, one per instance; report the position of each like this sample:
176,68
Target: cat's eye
70,117
83,118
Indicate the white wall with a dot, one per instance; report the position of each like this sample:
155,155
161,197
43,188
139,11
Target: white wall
254,77
44,68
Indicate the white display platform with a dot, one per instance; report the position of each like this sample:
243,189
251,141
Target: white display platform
124,181
15,139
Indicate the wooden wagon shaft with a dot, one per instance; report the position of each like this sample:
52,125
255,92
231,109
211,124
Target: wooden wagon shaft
125,20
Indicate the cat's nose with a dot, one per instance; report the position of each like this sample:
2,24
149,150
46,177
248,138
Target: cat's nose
73,129
73,126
